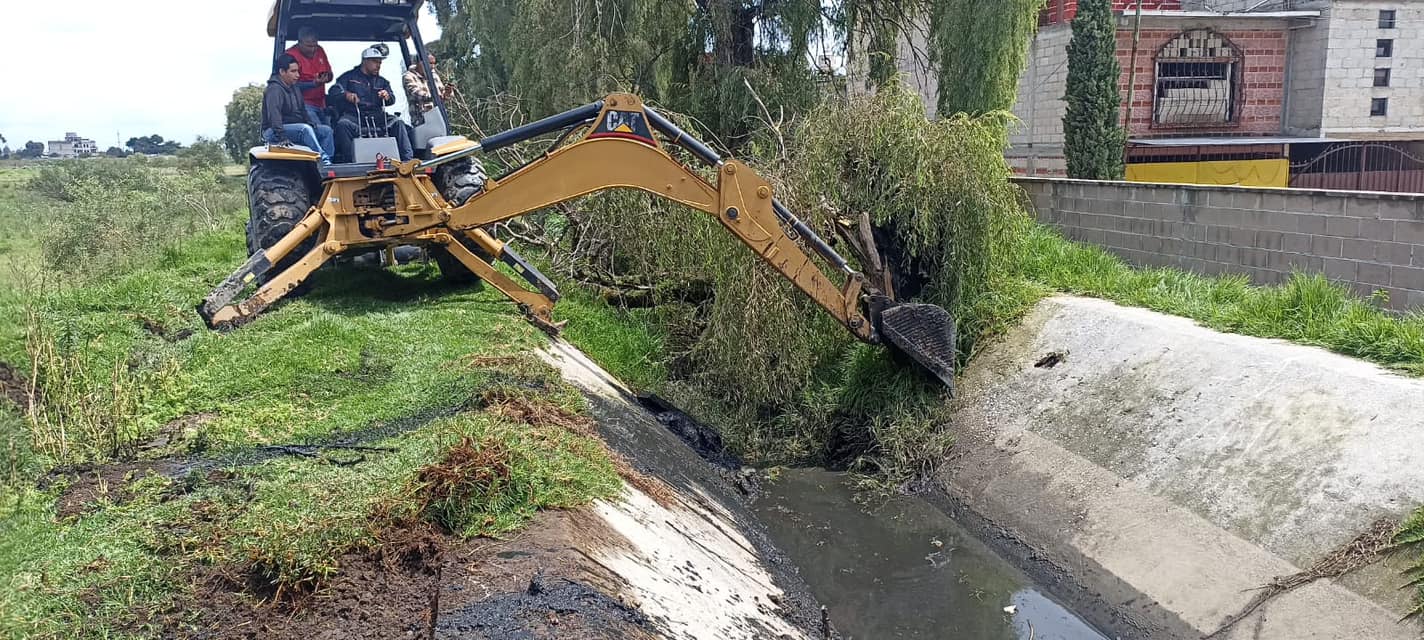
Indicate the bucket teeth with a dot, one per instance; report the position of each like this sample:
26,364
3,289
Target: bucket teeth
925,333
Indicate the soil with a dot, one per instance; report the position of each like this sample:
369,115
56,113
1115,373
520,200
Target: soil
704,440
14,385
89,487
178,430
539,584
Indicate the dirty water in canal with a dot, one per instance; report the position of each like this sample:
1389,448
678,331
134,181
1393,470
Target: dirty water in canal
902,569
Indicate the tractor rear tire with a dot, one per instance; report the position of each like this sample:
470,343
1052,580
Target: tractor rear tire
458,181
277,198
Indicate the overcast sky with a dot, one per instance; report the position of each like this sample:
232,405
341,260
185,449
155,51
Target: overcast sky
107,68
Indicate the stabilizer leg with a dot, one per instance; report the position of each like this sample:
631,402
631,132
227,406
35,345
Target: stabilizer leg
217,309
491,249
536,306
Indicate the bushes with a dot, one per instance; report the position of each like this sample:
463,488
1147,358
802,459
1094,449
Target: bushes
110,212
61,180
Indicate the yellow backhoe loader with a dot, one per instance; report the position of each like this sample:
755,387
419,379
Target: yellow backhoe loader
443,201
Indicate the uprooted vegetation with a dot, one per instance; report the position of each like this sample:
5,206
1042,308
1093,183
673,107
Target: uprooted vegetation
751,353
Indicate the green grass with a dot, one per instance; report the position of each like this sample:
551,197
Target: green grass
394,355
20,215
626,342
1309,309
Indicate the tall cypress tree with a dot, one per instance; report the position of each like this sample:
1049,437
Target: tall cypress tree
1093,139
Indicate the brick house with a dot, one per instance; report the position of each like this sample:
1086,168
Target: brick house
1204,87
1312,93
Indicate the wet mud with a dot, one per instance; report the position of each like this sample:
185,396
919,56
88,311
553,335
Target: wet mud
558,608
539,584
87,489
15,386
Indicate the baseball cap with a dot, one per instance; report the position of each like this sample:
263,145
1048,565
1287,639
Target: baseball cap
376,51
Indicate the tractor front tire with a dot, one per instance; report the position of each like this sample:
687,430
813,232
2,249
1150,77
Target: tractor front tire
278,197
458,181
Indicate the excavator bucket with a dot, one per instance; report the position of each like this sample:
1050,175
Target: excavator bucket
925,333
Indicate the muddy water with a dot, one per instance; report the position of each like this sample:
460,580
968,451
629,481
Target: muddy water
902,569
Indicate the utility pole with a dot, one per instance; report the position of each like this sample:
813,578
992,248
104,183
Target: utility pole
1131,83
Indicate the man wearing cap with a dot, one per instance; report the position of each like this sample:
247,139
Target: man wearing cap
360,96
284,118
316,72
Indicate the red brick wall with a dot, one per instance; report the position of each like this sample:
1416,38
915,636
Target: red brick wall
1063,10
1261,87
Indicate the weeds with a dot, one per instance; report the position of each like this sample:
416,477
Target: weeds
85,413
109,345
105,223
66,180
1410,538
1308,309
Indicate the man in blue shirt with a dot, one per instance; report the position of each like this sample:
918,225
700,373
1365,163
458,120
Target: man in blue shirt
360,97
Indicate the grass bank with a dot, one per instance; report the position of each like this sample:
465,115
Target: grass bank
142,452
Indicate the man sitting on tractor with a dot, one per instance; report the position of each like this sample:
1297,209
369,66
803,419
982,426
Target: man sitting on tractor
360,97
417,90
284,114
316,72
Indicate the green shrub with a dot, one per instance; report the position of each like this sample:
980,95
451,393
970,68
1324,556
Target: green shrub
60,180
113,217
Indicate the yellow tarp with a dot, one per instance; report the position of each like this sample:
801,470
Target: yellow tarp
1244,173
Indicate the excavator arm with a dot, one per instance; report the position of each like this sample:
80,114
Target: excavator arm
622,147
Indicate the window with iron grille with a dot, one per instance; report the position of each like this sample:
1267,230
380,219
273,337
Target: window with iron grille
1196,80
1381,77
1386,19
1379,107
1384,48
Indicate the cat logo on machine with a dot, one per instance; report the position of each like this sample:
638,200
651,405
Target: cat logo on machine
624,124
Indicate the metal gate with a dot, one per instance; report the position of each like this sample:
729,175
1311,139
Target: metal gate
1361,166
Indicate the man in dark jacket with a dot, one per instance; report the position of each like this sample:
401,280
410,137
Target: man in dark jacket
361,96
284,114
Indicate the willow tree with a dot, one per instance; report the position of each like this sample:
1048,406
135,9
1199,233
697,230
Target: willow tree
554,54
981,51
1093,137
733,65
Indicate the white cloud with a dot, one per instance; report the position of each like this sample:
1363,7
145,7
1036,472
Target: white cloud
133,68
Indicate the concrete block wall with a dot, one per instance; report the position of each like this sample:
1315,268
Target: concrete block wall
1040,106
1367,241
1349,73
1307,55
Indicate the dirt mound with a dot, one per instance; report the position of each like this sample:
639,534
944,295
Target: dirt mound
91,485
15,386
477,588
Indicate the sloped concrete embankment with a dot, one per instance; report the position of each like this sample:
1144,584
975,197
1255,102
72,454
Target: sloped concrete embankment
684,551
1162,472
